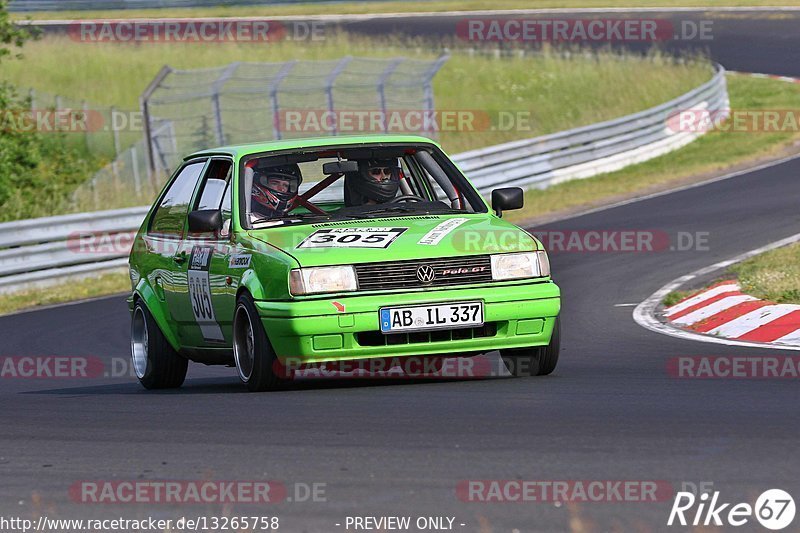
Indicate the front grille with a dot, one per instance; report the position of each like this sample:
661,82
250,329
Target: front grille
403,274
376,338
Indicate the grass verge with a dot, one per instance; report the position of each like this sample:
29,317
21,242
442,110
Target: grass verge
549,91
434,6
74,290
713,153
773,276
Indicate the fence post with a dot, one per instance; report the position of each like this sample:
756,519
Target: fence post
273,97
85,109
388,71
144,103
329,88
115,135
215,88
428,78
137,181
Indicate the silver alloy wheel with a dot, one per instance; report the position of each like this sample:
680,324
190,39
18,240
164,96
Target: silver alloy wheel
139,342
244,351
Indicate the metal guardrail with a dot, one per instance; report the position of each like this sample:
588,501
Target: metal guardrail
46,251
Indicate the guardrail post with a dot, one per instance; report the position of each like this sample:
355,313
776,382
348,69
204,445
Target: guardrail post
329,81
273,97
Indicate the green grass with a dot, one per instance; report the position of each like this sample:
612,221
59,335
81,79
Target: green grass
554,91
675,297
75,290
388,7
773,276
711,153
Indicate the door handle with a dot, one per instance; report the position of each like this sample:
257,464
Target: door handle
180,258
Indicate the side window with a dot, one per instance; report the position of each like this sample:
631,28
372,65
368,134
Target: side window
215,192
216,179
171,213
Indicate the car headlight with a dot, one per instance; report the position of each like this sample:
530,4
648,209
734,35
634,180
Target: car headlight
322,279
520,265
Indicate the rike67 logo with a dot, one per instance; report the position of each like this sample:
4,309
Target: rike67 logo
774,509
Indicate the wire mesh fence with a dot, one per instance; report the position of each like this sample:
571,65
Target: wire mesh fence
252,102
188,110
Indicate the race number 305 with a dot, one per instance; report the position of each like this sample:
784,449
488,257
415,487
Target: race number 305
352,238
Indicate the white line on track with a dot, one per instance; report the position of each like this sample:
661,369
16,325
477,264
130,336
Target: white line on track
645,312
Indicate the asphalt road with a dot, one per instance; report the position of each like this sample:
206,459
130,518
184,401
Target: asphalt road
610,411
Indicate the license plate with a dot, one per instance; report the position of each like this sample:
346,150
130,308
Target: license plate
426,317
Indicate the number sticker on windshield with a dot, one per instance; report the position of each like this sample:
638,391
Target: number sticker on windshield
352,238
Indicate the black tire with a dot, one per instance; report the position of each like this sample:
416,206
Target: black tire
156,364
255,358
534,361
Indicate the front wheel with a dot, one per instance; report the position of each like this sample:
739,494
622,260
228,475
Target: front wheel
255,359
155,362
534,361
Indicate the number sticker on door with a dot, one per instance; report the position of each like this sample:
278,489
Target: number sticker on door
352,238
200,293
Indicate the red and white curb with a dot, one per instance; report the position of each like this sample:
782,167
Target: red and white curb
722,310
722,314
787,79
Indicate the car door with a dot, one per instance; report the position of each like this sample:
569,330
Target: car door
207,317
165,235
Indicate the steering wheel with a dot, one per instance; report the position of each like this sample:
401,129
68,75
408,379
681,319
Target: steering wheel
407,198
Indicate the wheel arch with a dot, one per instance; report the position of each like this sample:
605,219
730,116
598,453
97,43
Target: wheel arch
144,292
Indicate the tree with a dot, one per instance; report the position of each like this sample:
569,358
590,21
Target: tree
12,36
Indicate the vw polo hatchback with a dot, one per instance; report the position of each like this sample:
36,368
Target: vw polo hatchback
284,255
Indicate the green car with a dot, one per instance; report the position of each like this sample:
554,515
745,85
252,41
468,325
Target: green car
285,255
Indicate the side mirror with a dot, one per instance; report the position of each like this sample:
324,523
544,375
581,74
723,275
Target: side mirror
205,220
339,167
507,199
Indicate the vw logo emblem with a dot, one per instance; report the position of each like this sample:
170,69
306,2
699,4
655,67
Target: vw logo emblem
426,274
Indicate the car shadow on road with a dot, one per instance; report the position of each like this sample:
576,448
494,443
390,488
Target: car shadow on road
233,385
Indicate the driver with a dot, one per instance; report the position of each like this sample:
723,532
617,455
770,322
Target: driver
274,188
376,182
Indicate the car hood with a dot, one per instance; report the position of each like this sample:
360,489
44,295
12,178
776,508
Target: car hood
397,239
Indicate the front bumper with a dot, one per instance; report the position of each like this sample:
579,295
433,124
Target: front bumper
315,330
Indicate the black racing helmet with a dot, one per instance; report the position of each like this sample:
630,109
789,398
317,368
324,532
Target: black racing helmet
377,180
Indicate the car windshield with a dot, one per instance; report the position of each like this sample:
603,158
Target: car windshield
353,183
